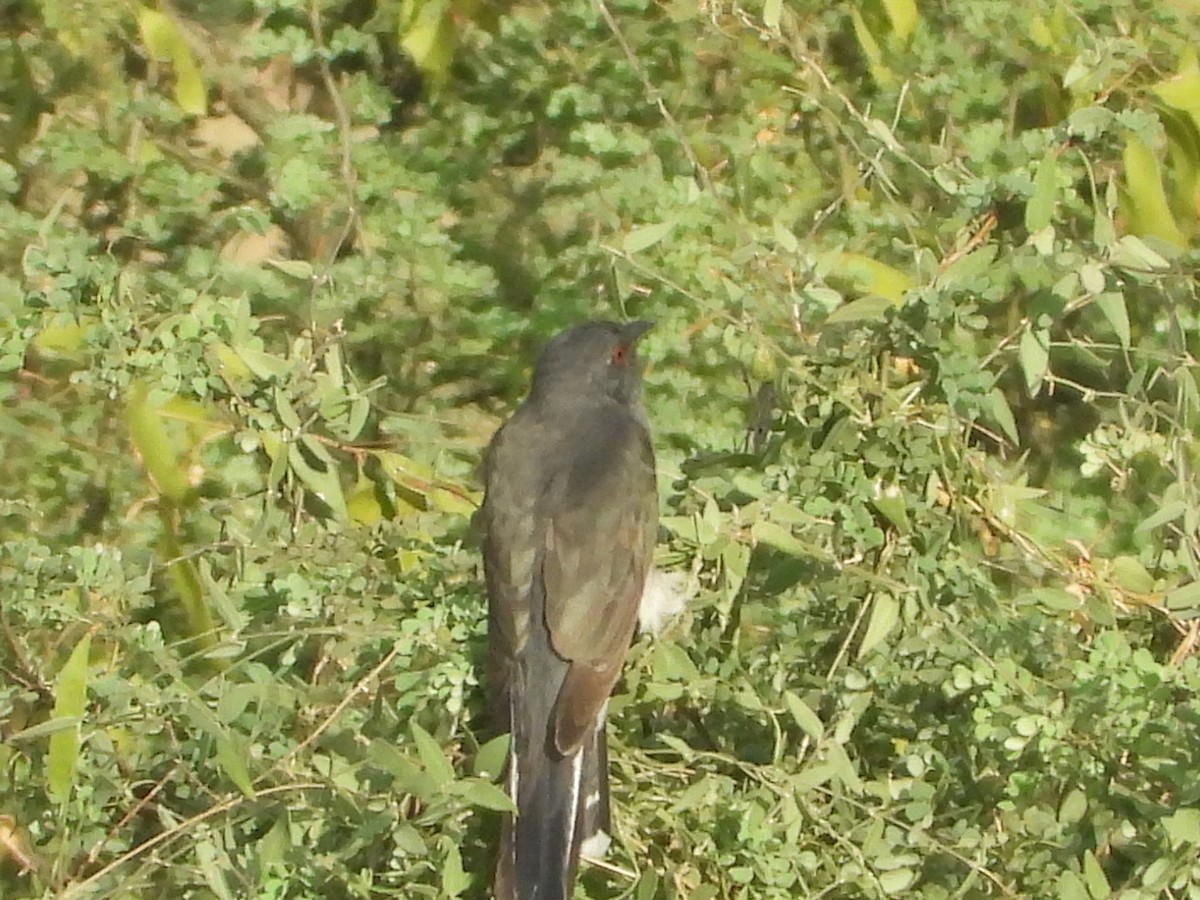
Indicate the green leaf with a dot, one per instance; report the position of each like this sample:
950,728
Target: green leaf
1112,305
1186,597
455,880
772,10
432,757
1130,575
1002,415
1054,599
1073,807
1091,276
890,503
149,437
360,409
672,663
778,537
286,412
843,768
484,794
864,309
1168,512
234,701
811,778
1071,887
1183,827
1131,251
208,858
1093,875
362,503
885,613
231,756
647,886
410,777
1148,211
45,729
1034,354
299,269
322,482
265,366
646,236
1039,211
808,720
428,36
896,881
70,702
1180,91
873,277
903,15
871,49
489,761
969,266
163,40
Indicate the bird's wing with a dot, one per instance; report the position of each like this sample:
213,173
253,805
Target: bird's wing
509,525
598,547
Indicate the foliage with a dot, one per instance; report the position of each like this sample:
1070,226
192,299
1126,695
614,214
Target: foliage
924,390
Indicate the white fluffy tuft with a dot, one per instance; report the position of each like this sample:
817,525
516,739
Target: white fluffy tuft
664,596
595,846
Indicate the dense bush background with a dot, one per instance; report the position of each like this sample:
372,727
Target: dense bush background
924,388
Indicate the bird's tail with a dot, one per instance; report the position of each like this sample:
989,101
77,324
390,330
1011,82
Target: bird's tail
562,805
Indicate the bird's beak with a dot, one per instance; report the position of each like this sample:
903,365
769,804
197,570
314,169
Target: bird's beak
631,331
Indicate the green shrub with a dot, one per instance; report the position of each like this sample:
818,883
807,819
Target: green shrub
923,387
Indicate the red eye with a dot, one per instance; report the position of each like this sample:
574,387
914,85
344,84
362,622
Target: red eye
619,355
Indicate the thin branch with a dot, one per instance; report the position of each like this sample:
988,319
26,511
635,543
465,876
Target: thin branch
655,95
94,853
345,132
177,831
359,688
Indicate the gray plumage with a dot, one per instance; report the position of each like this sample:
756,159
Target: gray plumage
569,522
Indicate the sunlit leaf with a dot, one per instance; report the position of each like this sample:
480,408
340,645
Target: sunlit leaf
808,720
646,236
1039,211
432,757
903,16
164,40
864,309
772,10
1093,875
885,613
1180,91
1148,211
873,277
871,49
1183,598
427,35
484,795
70,702
320,478
454,878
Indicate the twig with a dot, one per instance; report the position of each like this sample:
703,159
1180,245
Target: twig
359,688
344,130
655,95
94,853
178,830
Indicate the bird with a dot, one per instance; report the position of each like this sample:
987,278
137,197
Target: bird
569,521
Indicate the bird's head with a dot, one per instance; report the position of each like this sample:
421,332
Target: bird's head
589,361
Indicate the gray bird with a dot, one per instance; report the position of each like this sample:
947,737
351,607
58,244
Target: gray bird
569,521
